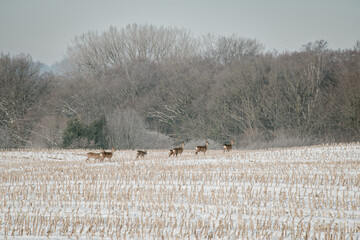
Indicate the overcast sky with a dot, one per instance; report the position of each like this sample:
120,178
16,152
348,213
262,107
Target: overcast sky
44,28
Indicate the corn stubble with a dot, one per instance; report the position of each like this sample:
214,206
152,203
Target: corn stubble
298,193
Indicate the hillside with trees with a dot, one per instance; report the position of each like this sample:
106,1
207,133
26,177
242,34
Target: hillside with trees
151,87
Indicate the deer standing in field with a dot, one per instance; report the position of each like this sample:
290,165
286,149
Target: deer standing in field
94,156
228,147
202,148
141,153
177,151
107,154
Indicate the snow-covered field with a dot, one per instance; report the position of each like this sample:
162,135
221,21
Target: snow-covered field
297,193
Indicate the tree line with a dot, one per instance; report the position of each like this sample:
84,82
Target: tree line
144,86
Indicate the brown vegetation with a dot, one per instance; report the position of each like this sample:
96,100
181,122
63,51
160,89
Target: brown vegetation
148,82
296,193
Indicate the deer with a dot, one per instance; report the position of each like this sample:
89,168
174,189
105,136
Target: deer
177,151
141,153
95,156
228,147
202,148
107,154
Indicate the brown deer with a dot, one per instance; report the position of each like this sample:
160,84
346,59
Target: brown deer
107,154
228,147
141,153
177,151
202,148
94,156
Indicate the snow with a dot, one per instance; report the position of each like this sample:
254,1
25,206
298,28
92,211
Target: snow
289,193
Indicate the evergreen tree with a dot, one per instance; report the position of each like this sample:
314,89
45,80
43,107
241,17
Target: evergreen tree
79,135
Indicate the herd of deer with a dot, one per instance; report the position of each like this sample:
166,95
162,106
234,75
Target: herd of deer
101,156
141,153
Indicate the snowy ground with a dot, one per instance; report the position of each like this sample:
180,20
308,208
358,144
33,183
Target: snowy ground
297,193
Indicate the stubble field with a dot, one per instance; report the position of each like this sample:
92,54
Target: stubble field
295,193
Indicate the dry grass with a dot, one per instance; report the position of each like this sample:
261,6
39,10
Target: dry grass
297,193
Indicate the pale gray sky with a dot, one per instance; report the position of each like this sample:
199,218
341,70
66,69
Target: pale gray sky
44,28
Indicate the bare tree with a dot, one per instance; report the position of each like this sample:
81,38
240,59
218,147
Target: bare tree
127,130
230,49
302,89
95,52
318,46
22,87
